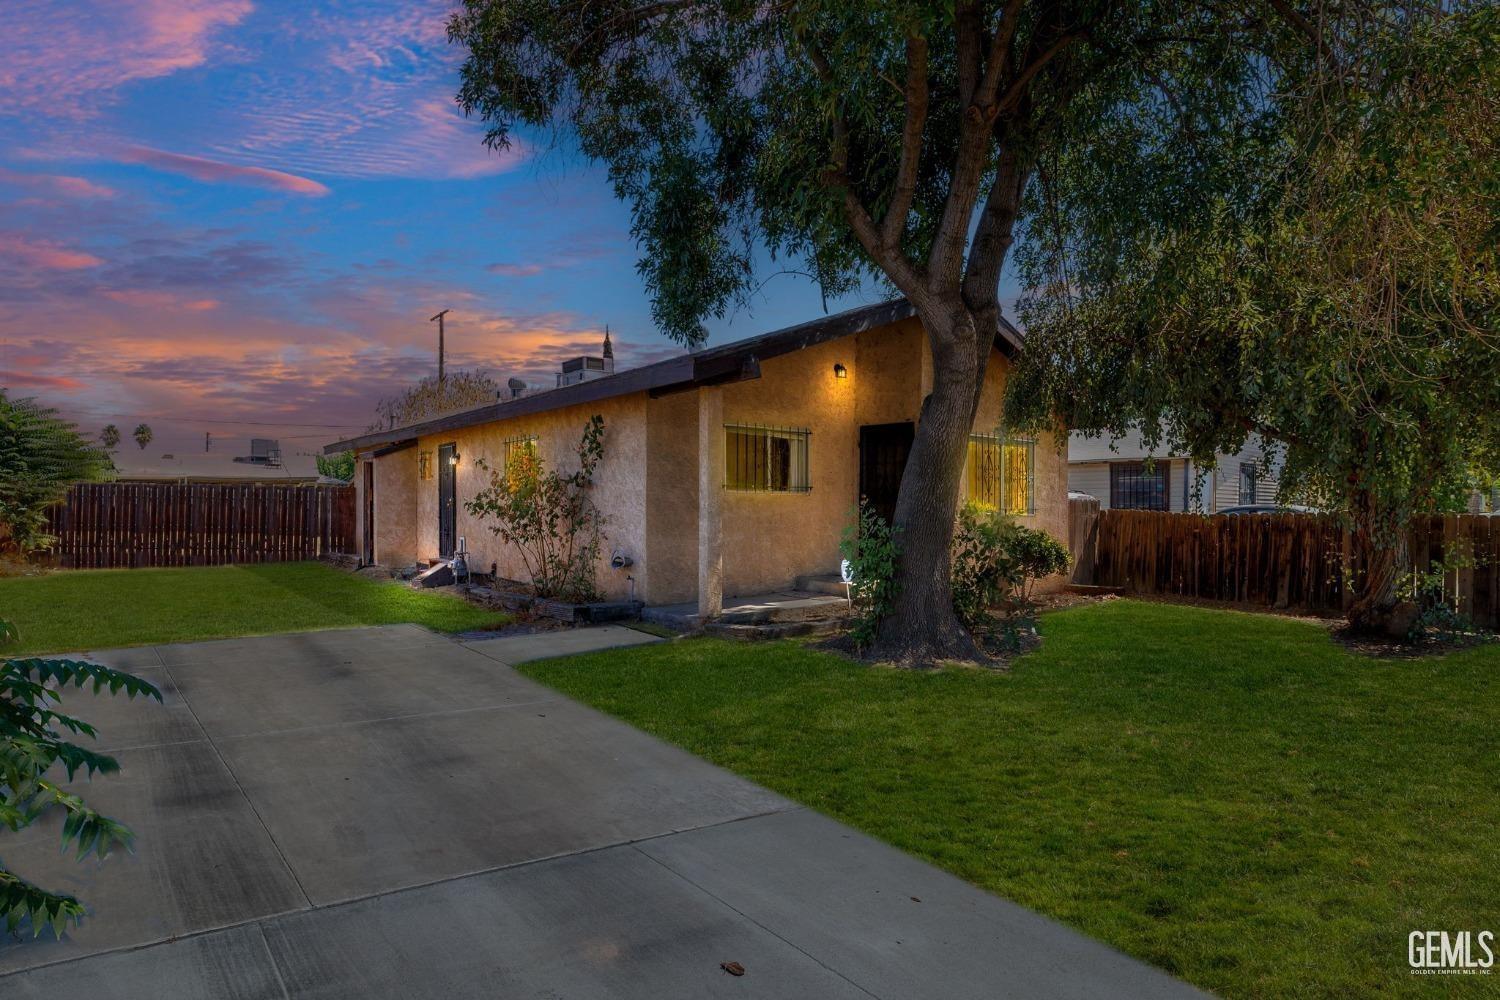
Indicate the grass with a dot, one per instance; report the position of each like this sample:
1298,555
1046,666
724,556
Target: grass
1231,797
98,609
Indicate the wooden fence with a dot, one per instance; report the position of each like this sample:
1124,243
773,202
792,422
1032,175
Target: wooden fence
1275,560
191,524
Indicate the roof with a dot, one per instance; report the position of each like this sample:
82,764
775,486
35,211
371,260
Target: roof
712,366
135,466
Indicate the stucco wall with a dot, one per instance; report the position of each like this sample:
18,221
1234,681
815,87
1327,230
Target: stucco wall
395,508
619,489
671,557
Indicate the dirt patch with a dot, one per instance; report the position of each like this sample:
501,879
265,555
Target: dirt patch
1382,648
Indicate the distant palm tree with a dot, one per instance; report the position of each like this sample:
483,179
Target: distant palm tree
142,435
110,437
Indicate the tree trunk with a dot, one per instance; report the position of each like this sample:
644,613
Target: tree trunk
1381,557
922,627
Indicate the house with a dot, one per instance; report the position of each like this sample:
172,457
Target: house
266,463
1119,474
731,470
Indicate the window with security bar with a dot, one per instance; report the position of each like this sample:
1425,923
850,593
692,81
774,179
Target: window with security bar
766,459
1135,486
1002,473
518,446
1248,478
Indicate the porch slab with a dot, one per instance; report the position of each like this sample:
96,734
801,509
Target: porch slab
516,649
756,609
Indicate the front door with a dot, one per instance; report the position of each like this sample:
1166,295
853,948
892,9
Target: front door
883,449
367,546
447,500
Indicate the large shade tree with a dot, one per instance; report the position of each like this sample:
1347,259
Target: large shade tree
1347,309
873,139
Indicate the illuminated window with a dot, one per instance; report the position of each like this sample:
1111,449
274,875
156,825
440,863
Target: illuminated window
765,459
1002,473
424,465
517,446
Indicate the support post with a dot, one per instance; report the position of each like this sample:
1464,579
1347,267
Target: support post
710,502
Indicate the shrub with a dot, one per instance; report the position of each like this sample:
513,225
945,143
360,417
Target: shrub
30,744
869,544
41,455
549,517
996,564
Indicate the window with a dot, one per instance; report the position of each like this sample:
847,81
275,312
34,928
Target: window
1247,482
765,459
1002,473
424,465
517,446
1132,486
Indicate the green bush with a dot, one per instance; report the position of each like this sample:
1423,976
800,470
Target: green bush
31,742
996,564
869,544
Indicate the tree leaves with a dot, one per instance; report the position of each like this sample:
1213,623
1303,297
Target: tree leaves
30,746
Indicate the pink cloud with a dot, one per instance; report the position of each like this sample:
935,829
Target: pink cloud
73,187
67,62
215,172
31,380
143,298
45,254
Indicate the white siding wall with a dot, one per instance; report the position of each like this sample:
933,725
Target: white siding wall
1220,488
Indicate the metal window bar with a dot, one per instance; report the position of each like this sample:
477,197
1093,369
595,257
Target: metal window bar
513,445
1133,487
1002,473
1247,483
760,458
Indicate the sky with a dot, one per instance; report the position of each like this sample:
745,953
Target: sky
236,216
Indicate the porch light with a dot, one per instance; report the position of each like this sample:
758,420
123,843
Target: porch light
453,458
839,371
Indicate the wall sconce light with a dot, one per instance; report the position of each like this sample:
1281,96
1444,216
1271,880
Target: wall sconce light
839,371
453,458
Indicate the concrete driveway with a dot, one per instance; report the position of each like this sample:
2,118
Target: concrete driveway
385,812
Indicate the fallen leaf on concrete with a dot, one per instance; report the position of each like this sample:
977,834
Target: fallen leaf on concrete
733,968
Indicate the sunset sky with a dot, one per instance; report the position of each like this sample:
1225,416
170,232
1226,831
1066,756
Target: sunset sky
237,215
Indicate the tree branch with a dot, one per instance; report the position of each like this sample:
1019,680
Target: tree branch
894,223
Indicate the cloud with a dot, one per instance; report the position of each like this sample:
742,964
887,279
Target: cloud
31,380
516,270
214,172
73,187
45,254
68,59
142,298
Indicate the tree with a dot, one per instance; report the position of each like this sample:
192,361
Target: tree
109,438
142,435
41,455
459,390
1345,308
865,139
31,742
340,466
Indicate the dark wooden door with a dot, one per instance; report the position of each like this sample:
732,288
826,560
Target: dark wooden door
447,499
367,547
883,449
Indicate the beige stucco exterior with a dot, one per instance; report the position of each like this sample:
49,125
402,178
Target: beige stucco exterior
649,483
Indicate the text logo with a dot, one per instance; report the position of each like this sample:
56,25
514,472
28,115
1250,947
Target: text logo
1444,953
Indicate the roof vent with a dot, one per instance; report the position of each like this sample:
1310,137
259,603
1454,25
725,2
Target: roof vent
516,387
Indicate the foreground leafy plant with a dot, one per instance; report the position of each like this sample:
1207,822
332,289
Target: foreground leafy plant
549,516
996,565
870,547
31,741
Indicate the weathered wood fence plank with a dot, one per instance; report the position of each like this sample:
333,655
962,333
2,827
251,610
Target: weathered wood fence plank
1278,560
110,525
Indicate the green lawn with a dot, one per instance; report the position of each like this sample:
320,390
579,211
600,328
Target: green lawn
1230,797
97,609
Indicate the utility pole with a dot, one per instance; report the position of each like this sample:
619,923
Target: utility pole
439,319
208,440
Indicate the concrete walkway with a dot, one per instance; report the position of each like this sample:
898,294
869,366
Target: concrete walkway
384,812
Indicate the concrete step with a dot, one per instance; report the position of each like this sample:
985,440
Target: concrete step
760,609
822,583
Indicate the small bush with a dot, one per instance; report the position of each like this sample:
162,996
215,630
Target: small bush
996,564
549,516
869,544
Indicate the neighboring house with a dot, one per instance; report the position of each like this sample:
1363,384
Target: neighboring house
1119,474
732,470
266,463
